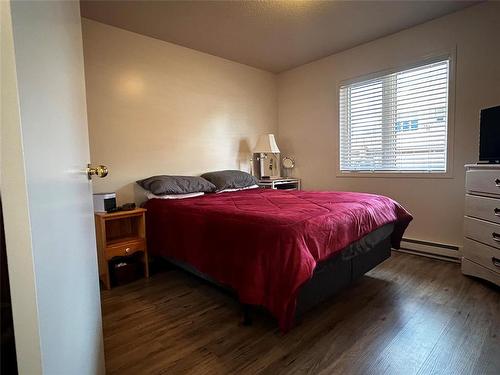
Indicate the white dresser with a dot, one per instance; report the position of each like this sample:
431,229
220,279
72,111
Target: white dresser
481,251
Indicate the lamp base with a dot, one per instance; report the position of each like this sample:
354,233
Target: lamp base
266,166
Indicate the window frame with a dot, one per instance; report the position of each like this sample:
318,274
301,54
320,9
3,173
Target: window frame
449,54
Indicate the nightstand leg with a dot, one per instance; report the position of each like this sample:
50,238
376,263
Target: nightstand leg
107,281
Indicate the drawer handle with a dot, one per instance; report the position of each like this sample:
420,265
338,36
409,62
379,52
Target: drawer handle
127,250
497,211
495,261
497,182
495,236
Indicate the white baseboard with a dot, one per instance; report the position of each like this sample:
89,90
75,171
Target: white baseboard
451,253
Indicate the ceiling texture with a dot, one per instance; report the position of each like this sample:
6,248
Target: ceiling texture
270,35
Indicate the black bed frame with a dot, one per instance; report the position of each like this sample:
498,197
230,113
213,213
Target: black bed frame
329,277
338,272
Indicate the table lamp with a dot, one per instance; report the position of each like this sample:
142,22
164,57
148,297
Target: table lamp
266,153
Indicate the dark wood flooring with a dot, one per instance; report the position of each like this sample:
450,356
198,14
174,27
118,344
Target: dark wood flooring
410,315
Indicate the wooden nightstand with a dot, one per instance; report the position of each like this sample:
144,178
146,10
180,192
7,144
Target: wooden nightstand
120,233
280,183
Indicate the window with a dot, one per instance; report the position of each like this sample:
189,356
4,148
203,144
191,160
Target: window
397,122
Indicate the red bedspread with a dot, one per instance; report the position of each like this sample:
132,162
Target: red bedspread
265,243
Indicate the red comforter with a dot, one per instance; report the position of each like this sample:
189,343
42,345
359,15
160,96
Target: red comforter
265,243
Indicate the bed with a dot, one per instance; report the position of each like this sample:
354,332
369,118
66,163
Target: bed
283,250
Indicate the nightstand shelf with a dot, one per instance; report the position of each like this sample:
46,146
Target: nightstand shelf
123,240
120,234
280,183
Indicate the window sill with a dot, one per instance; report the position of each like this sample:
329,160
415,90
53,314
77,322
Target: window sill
418,175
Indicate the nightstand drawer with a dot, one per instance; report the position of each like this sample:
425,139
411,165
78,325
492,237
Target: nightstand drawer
125,249
483,208
483,181
484,255
482,231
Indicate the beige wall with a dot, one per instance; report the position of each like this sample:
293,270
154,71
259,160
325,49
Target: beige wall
308,113
158,108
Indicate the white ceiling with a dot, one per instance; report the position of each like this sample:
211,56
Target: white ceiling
271,35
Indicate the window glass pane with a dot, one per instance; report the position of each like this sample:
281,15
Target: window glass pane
365,131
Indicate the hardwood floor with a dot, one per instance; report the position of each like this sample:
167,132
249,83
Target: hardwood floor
410,315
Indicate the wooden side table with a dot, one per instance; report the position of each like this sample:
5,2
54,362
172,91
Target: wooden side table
280,183
120,233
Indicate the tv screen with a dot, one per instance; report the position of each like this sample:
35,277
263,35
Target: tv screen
489,139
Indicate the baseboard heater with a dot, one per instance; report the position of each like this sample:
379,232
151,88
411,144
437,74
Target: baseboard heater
436,250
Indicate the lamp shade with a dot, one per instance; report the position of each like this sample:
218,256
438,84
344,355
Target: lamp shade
266,144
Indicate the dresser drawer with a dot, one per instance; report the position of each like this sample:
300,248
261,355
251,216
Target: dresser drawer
476,270
483,208
483,181
125,249
482,231
484,255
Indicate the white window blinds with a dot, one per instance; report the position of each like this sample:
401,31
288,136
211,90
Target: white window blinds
397,122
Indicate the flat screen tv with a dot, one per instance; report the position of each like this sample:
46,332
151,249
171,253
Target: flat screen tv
489,138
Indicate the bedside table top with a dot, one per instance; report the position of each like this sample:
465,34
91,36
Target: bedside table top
135,211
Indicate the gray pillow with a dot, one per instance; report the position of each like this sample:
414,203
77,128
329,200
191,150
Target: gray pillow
162,185
230,179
